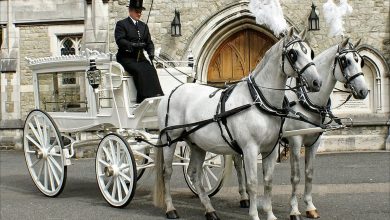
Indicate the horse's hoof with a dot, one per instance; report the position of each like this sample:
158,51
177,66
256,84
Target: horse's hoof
212,216
312,214
244,203
172,214
296,217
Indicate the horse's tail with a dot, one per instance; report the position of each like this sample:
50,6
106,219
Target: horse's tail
158,194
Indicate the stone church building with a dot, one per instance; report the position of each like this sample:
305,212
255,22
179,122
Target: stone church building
221,35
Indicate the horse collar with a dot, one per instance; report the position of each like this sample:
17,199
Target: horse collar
261,102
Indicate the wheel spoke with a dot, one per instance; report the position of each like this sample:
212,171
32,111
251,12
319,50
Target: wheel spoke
104,163
119,189
45,175
206,177
39,130
54,172
118,153
108,155
45,136
50,176
55,155
207,169
34,142
35,163
53,161
113,189
124,166
112,151
40,171
125,176
53,145
123,184
108,183
36,135
212,165
30,151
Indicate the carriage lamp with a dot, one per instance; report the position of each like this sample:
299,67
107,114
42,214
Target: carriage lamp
176,25
314,20
93,74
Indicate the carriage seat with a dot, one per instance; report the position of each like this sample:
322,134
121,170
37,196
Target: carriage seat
127,78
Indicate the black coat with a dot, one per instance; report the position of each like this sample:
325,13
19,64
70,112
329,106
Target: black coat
133,59
126,33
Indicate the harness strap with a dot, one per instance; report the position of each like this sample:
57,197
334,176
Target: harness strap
167,114
200,124
221,108
305,67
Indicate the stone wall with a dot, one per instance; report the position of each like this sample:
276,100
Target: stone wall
34,43
369,21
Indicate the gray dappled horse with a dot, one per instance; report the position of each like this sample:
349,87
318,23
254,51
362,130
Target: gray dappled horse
253,130
338,63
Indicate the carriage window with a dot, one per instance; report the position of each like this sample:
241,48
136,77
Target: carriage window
58,92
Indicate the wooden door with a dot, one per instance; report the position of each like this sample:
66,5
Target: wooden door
237,56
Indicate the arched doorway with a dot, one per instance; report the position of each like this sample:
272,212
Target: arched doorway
238,55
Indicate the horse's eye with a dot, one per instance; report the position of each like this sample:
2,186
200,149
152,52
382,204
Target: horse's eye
343,62
293,55
361,63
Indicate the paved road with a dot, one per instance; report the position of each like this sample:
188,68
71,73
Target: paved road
347,186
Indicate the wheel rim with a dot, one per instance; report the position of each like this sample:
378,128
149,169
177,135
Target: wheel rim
212,175
43,153
115,170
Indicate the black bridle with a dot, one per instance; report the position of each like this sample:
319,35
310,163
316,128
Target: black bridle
343,62
292,57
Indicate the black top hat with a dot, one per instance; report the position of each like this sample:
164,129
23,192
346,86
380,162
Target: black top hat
136,4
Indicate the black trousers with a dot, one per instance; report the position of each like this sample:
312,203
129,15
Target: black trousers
145,77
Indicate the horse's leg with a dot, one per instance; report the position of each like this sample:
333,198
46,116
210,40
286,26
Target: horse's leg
310,154
250,161
195,172
239,166
168,160
295,147
268,169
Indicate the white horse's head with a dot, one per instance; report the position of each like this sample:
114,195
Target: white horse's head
297,60
348,69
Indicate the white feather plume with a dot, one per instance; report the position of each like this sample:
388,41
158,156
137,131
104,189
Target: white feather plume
334,16
270,14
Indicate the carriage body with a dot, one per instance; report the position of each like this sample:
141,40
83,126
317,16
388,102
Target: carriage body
69,115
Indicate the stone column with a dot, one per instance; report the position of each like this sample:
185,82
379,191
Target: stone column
10,81
96,25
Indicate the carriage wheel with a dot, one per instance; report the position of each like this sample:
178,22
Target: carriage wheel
213,172
43,153
140,160
116,172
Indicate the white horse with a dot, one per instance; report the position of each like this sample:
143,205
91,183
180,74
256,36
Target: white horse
338,63
255,131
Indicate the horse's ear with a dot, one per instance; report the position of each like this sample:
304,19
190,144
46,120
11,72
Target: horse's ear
357,43
344,43
303,34
290,32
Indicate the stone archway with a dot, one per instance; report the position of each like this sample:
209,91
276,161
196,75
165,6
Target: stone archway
210,38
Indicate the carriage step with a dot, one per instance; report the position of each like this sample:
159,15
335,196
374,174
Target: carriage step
67,161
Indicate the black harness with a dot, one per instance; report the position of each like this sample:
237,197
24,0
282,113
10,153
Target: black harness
259,101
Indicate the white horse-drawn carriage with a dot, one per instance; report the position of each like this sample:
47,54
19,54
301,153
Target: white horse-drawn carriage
70,114
89,100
